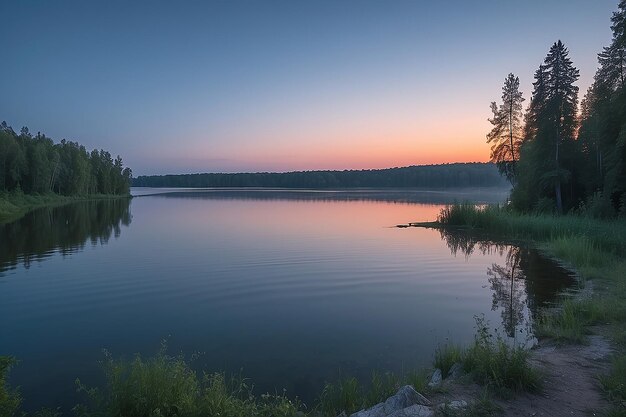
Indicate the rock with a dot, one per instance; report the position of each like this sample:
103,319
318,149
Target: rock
414,411
407,396
455,371
453,405
404,398
435,380
343,414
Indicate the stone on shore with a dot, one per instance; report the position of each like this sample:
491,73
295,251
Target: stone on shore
436,379
405,403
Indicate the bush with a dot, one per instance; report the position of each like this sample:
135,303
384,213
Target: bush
492,362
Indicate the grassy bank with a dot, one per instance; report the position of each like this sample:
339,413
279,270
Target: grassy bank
16,204
595,249
167,386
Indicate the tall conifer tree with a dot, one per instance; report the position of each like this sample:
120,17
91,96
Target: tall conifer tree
551,127
506,135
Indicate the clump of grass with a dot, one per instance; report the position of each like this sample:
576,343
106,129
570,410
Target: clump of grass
492,362
165,386
382,386
446,356
343,395
571,321
349,395
608,236
463,214
580,251
159,386
418,379
10,400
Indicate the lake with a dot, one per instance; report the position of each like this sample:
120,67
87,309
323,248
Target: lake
290,288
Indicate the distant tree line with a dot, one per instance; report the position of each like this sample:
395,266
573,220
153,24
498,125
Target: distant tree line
36,165
560,159
426,176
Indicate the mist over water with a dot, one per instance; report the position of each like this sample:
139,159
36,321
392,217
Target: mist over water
289,288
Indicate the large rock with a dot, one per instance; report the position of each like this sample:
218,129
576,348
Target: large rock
403,399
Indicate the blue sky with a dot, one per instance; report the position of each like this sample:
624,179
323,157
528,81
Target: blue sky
280,85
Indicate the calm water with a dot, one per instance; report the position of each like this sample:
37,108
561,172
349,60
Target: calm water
290,287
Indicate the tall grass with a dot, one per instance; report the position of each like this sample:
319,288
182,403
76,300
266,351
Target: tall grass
494,363
165,386
350,395
446,356
606,235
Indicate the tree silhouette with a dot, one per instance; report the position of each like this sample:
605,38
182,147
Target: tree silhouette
549,155
506,135
603,127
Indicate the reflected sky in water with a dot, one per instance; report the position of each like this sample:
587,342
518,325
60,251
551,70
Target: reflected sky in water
290,290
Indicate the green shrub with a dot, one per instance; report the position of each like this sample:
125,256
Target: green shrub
492,362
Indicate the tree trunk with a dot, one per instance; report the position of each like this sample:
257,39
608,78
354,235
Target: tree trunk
557,182
559,201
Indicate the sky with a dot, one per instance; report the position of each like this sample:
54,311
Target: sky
231,86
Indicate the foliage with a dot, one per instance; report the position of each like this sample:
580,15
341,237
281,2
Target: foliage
492,362
36,165
565,160
549,156
166,386
506,135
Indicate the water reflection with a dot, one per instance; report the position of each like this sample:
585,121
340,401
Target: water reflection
524,283
434,196
65,229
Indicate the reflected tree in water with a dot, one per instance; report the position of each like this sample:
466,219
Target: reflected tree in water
508,290
527,281
65,229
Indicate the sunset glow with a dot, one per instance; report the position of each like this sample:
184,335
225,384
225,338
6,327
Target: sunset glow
229,87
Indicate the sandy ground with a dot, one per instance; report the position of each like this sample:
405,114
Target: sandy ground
571,385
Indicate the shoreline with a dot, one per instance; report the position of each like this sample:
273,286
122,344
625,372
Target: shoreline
14,206
581,339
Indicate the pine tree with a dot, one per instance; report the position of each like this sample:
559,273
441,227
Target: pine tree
506,135
551,125
603,126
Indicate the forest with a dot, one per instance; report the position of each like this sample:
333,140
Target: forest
37,165
561,158
431,176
